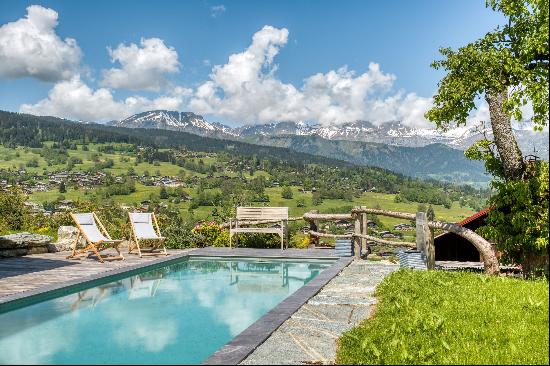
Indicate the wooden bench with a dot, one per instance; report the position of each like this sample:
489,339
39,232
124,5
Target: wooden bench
259,215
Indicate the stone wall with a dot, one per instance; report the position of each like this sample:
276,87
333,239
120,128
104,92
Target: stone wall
15,245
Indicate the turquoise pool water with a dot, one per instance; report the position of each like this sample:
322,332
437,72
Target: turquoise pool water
181,313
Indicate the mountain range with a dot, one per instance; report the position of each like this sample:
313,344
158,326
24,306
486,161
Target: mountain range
417,152
391,133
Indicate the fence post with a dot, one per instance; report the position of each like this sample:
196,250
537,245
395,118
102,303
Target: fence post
357,240
313,227
424,239
364,230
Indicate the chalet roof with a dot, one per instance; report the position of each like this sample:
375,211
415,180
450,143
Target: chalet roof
475,216
468,220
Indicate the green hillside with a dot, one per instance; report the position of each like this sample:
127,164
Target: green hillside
199,178
436,161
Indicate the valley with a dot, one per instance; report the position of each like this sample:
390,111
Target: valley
60,165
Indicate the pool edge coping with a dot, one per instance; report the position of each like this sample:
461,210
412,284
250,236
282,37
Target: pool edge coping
241,346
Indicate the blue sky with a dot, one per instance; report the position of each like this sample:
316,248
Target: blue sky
304,39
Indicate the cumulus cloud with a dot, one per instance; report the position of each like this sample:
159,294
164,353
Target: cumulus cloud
246,89
142,67
217,10
74,99
30,47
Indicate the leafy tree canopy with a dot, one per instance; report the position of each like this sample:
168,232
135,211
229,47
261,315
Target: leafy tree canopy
513,57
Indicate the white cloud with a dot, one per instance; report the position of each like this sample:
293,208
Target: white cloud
30,47
217,10
143,67
74,99
246,89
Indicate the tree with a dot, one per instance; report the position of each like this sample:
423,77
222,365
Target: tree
509,69
286,193
62,188
163,194
15,215
430,213
316,199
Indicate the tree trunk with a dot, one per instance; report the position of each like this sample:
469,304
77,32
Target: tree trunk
507,146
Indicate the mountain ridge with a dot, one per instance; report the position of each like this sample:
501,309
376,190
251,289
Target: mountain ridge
391,133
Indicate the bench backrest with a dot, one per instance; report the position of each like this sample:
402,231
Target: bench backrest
262,213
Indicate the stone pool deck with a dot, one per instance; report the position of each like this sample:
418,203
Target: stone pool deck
309,336
20,276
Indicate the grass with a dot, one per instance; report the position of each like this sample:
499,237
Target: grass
439,317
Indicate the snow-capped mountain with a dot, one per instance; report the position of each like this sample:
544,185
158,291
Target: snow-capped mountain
177,121
391,133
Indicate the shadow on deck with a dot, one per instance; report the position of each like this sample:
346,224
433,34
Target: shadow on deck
10,267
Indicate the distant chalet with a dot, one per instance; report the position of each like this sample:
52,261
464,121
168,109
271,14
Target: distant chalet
451,247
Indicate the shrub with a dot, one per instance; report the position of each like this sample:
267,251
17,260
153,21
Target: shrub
519,221
259,240
286,193
222,240
210,229
14,215
178,232
299,241
33,163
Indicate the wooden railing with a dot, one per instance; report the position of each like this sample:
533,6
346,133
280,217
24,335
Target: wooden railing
424,233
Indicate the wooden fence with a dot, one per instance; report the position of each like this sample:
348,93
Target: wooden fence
424,233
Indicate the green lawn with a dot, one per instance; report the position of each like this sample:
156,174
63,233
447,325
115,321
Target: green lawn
438,317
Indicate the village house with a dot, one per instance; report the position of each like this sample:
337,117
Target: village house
403,227
34,208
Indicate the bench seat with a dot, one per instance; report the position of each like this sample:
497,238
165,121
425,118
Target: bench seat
259,215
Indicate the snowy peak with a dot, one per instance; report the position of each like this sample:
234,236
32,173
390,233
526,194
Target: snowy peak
172,120
390,133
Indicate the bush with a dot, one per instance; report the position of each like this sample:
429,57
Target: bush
209,230
222,240
178,232
518,222
258,240
286,193
299,241
33,163
14,215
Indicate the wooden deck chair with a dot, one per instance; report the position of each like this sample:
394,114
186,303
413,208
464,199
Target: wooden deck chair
143,230
97,238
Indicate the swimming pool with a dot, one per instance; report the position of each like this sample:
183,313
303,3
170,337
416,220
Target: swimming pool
181,313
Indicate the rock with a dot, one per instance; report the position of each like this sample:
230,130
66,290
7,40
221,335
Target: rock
24,243
66,236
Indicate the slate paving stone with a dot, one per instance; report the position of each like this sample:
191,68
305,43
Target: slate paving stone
336,313
330,300
331,327
309,336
